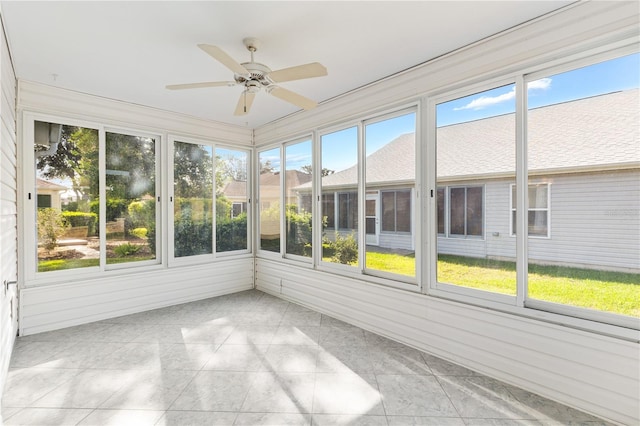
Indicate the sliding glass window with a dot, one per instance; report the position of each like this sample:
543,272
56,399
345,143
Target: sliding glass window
232,200
193,199
583,137
298,198
390,180
131,198
269,198
67,196
476,170
339,187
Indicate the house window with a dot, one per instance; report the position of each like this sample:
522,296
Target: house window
538,215
396,211
44,201
348,210
237,209
329,210
466,211
440,202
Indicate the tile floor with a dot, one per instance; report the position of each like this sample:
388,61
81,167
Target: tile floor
251,359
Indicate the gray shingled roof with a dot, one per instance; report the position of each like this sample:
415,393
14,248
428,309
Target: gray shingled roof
604,132
45,184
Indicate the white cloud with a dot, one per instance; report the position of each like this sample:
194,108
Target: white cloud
487,101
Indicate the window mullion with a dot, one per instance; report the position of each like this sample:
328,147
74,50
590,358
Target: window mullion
522,191
102,188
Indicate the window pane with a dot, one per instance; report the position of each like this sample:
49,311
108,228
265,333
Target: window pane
269,193
390,162
193,199
298,162
329,211
67,197
440,206
340,174
388,211
582,136
456,205
131,198
474,211
538,196
231,200
403,211
476,158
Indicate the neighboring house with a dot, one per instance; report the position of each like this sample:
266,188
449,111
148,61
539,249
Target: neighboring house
599,181
48,194
236,192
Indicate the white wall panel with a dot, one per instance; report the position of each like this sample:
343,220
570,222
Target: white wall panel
595,373
64,305
8,210
35,97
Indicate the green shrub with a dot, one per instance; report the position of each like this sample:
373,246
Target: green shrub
191,237
142,213
345,249
299,233
231,234
126,249
139,232
51,227
73,218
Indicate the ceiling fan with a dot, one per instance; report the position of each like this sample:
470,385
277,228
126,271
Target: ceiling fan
255,76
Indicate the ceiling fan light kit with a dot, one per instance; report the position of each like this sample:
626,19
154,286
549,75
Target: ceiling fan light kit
255,76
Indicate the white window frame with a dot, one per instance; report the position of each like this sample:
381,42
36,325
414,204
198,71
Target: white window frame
448,211
28,262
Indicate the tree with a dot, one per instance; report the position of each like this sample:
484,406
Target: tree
232,167
324,172
266,167
193,166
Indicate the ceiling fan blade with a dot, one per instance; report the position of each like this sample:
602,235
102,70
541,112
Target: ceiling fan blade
221,56
244,103
314,69
200,85
292,97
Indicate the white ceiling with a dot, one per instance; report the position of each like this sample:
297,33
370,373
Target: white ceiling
131,50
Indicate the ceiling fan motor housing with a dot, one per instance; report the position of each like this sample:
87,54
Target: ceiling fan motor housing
257,74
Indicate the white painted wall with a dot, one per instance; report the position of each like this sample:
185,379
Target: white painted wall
8,210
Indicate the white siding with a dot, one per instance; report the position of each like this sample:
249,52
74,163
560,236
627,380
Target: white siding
8,210
395,241
592,372
595,221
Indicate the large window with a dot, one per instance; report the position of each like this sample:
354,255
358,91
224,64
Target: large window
67,194
583,136
390,147
193,199
476,166
298,216
231,200
269,196
131,198
339,188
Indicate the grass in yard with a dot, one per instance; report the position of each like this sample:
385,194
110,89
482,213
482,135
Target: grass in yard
59,264
392,262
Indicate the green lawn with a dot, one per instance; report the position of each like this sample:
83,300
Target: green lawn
615,292
60,264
